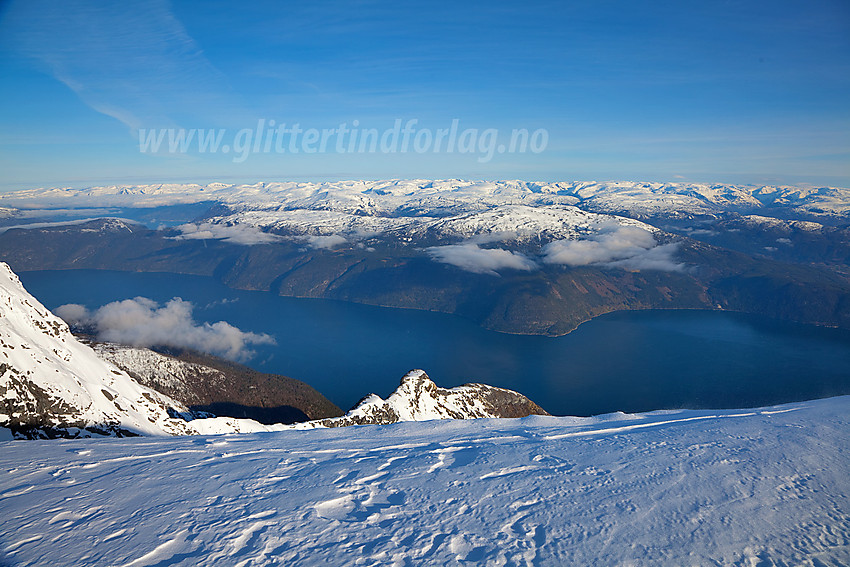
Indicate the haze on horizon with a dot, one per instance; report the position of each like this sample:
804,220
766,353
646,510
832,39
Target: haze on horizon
674,91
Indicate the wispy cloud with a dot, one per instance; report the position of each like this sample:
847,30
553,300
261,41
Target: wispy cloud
132,61
143,322
472,258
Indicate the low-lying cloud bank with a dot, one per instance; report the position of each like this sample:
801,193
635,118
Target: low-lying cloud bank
142,322
473,258
625,247
237,234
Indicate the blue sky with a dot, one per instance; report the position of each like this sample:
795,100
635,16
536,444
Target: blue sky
739,92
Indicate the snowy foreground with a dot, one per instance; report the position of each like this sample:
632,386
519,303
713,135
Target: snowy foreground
749,487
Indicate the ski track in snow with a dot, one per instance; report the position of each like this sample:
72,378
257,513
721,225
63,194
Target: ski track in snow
760,487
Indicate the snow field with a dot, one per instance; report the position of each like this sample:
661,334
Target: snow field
753,487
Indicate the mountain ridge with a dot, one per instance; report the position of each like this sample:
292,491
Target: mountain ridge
52,385
418,398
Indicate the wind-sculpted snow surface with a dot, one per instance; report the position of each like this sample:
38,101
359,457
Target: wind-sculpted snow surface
750,487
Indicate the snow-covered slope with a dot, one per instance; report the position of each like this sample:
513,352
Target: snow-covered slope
52,385
204,382
418,399
50,382
523,222
162,373
751,487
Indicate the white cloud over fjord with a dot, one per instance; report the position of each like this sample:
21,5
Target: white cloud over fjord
656,258
626,247
236,234
143,322
248,235
472,258
615,246
325,242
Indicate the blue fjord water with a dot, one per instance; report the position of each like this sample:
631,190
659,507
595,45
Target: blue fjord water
628,361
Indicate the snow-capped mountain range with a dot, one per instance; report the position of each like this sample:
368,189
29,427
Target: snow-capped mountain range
436,198
416,209
510,222
51,384
564,252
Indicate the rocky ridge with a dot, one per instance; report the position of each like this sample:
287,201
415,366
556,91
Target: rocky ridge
418,398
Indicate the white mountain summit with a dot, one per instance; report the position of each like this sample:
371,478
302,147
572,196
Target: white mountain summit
418,399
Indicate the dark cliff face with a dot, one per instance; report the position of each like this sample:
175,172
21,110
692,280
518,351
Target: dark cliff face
505,403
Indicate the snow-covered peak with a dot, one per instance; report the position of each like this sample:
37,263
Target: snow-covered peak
418,398
769,222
